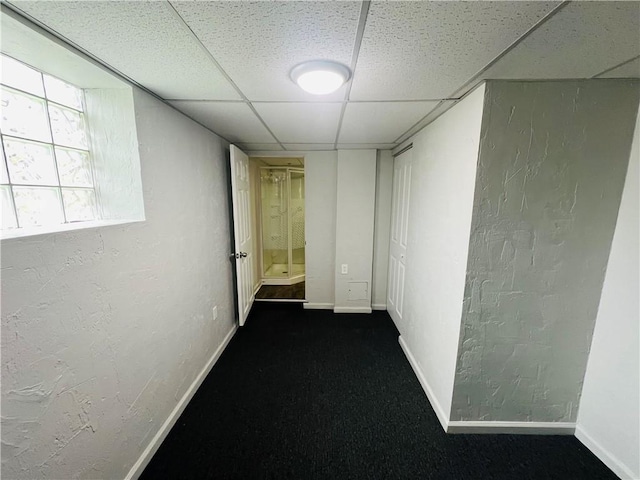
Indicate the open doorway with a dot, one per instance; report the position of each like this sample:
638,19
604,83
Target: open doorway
279,210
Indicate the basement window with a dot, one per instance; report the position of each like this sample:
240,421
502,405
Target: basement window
47,174
69,151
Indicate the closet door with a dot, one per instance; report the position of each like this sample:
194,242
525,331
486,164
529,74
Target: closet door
399,234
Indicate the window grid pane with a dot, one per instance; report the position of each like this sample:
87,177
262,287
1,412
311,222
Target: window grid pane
63,93
22,77
38,206
67,126
8,209
24,116
4,175
79,204
74,167
46,173
30,163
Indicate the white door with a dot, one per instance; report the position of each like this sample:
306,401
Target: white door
242,235
399,233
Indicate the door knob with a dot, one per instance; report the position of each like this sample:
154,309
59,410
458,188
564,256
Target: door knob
243,254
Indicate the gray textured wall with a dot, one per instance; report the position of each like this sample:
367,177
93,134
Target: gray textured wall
551,169
104,329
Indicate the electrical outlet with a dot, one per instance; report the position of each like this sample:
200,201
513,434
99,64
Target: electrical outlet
215,312
345,269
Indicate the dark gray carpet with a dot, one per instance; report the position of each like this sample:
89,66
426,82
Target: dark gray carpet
312,395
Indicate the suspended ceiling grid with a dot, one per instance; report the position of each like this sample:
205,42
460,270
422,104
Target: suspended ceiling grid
227,64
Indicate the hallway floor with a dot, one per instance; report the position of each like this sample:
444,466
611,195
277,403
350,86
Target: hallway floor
308,394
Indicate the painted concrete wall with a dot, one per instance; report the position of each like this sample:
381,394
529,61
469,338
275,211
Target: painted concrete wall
114,152
382,225
443,175
103,330
609,413
552,163
356,195
320,170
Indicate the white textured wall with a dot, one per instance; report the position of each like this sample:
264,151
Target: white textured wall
445,155
114,152
104,329
609,413
382,225
551,169
320,169
356,194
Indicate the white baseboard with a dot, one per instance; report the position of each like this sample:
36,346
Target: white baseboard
318,306
520,428
351,309
515,428
156,441
379,306
618,467
425,386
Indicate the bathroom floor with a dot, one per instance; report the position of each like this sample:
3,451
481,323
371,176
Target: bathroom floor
282,270
281,292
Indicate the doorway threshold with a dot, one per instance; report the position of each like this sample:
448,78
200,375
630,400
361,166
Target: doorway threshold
280,300
295,293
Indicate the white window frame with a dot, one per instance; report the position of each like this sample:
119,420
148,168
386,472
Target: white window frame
52,145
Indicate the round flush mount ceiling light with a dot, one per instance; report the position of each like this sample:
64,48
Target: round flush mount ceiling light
320,77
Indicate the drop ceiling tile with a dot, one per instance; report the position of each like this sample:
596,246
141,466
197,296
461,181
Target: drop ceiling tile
365,146
380,122
258,43
234,121
628,70
301,122
259,147
427,50
580,41
280,161
144,40
25,44
307,147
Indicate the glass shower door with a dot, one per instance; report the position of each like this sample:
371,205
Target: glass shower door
275,224
296,183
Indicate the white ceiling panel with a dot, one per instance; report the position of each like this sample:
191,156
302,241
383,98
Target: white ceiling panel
234,121
258,43
143,39
427,50
628,70
307,147
259,147
380,122
301,122
361,146
580,41
279,161
412,54
24,44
